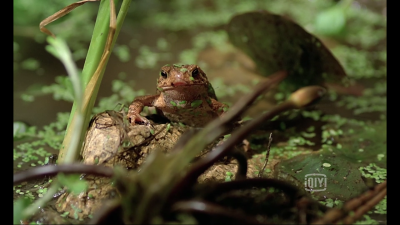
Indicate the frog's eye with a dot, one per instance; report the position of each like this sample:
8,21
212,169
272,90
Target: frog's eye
195,72
163,74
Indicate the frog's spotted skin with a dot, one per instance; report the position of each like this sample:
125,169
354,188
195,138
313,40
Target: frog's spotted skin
184,95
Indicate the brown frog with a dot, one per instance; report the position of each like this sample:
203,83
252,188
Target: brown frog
184,95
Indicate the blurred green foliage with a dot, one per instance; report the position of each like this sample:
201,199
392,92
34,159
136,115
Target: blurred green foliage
19,205
331,22
204,21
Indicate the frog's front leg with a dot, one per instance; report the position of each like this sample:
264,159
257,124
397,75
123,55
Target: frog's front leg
218,107
136,108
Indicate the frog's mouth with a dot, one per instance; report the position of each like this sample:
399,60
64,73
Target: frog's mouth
177,85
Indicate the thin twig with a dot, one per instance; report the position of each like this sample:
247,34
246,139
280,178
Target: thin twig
60,14
266,156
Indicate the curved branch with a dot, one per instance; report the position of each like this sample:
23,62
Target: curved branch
242,164
207,208
291,191
52,170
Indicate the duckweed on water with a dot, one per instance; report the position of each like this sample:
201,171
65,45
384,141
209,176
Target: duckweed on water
122,52
328,134
222,89
228,176
336,121
367,220
380,156
372,101
332,203
308,135
357,63
381,207
287,152
123,92
61,89
326,164
374,171
315,114
148,58
296,141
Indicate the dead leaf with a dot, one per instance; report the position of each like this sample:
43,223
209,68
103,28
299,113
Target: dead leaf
60,14
277,43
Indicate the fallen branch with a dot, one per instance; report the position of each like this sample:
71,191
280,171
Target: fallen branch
358,206
52,170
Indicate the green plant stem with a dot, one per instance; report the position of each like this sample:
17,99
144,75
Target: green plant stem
77,120
93,58
59,48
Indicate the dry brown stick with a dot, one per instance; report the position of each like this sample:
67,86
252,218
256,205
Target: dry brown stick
359,206
266,156
60,14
